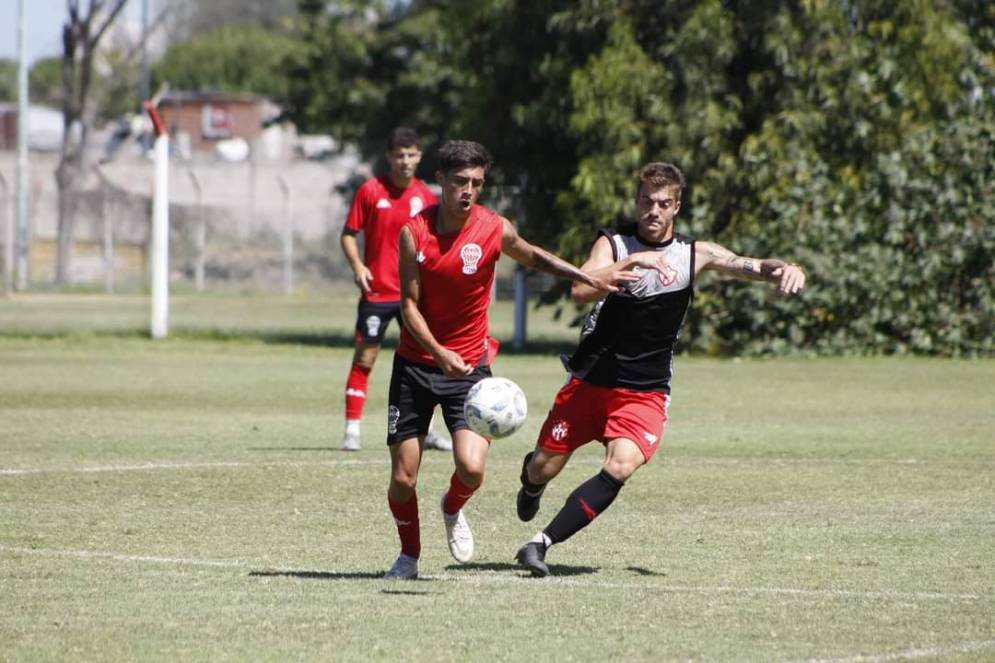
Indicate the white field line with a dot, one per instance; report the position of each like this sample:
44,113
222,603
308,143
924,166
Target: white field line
166,465
96,554
942,651
14,471
505,578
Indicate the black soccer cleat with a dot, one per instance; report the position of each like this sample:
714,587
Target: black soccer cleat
533,556
528,499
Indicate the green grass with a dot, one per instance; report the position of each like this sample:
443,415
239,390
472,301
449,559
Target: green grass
185,499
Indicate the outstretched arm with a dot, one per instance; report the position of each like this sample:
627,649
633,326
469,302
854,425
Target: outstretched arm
533,257
788,276
450,362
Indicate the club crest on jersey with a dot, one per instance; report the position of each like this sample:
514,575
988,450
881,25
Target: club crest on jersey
560,430
416,205
668,275
470,254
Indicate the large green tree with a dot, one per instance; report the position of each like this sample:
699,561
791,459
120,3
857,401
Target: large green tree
853,136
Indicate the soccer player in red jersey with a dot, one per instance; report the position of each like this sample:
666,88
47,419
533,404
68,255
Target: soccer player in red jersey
619,387
447,258
380,209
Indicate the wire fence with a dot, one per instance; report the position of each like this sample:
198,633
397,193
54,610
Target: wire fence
269,226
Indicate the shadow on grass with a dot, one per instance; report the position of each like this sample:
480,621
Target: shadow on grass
554,569
295,449
317,575
638,570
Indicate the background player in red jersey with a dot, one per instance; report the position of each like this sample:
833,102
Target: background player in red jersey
619,387
380,209
447,257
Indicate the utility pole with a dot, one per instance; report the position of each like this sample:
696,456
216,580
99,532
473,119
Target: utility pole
144,83
23,174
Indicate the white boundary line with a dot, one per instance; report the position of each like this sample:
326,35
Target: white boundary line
96,554
929,652
481,578
167,465
16,471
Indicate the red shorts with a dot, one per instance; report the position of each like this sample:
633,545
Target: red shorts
584,412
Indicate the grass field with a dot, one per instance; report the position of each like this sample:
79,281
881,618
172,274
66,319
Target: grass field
186,500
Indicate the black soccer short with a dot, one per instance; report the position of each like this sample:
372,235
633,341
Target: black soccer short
415,390
372,319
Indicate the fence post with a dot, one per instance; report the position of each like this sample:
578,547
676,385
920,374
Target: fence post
288,235
8,238
108,232
200,234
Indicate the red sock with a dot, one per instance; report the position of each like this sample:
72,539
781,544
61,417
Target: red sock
408,528
458,495
355,391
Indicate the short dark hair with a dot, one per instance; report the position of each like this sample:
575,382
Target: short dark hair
457,154
402,137
659,174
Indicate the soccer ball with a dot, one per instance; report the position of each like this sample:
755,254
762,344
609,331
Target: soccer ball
495,407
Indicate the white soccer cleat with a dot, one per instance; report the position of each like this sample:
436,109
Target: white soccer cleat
351,443
435,441
405,568
458,535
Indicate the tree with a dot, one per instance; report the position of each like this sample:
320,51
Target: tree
81,35
8,79
235,58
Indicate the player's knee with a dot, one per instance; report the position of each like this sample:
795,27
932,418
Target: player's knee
622,468
403,481
471,473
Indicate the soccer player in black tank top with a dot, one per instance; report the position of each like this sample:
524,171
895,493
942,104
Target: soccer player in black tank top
619,388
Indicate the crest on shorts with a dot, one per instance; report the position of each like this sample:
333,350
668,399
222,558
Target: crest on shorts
560,430
416,205
393,415
470,254
650,438
372,325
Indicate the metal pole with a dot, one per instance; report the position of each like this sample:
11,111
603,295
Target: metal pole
521,309
288,236
160,239
200,236
108,228
8,237
23,174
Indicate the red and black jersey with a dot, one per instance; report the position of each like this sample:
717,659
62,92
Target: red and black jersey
379,211
456,273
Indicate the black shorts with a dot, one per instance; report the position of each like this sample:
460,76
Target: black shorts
372,319
415,390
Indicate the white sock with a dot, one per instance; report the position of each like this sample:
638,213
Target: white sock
352,427
542,538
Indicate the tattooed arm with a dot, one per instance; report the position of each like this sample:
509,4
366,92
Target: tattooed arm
789,276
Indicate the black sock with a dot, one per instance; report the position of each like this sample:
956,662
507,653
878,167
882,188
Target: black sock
583,505
531,489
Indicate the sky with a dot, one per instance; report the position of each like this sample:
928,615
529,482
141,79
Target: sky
44,26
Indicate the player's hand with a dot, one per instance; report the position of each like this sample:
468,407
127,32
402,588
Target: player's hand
603,282
790,278
452,364
363,279
654,260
